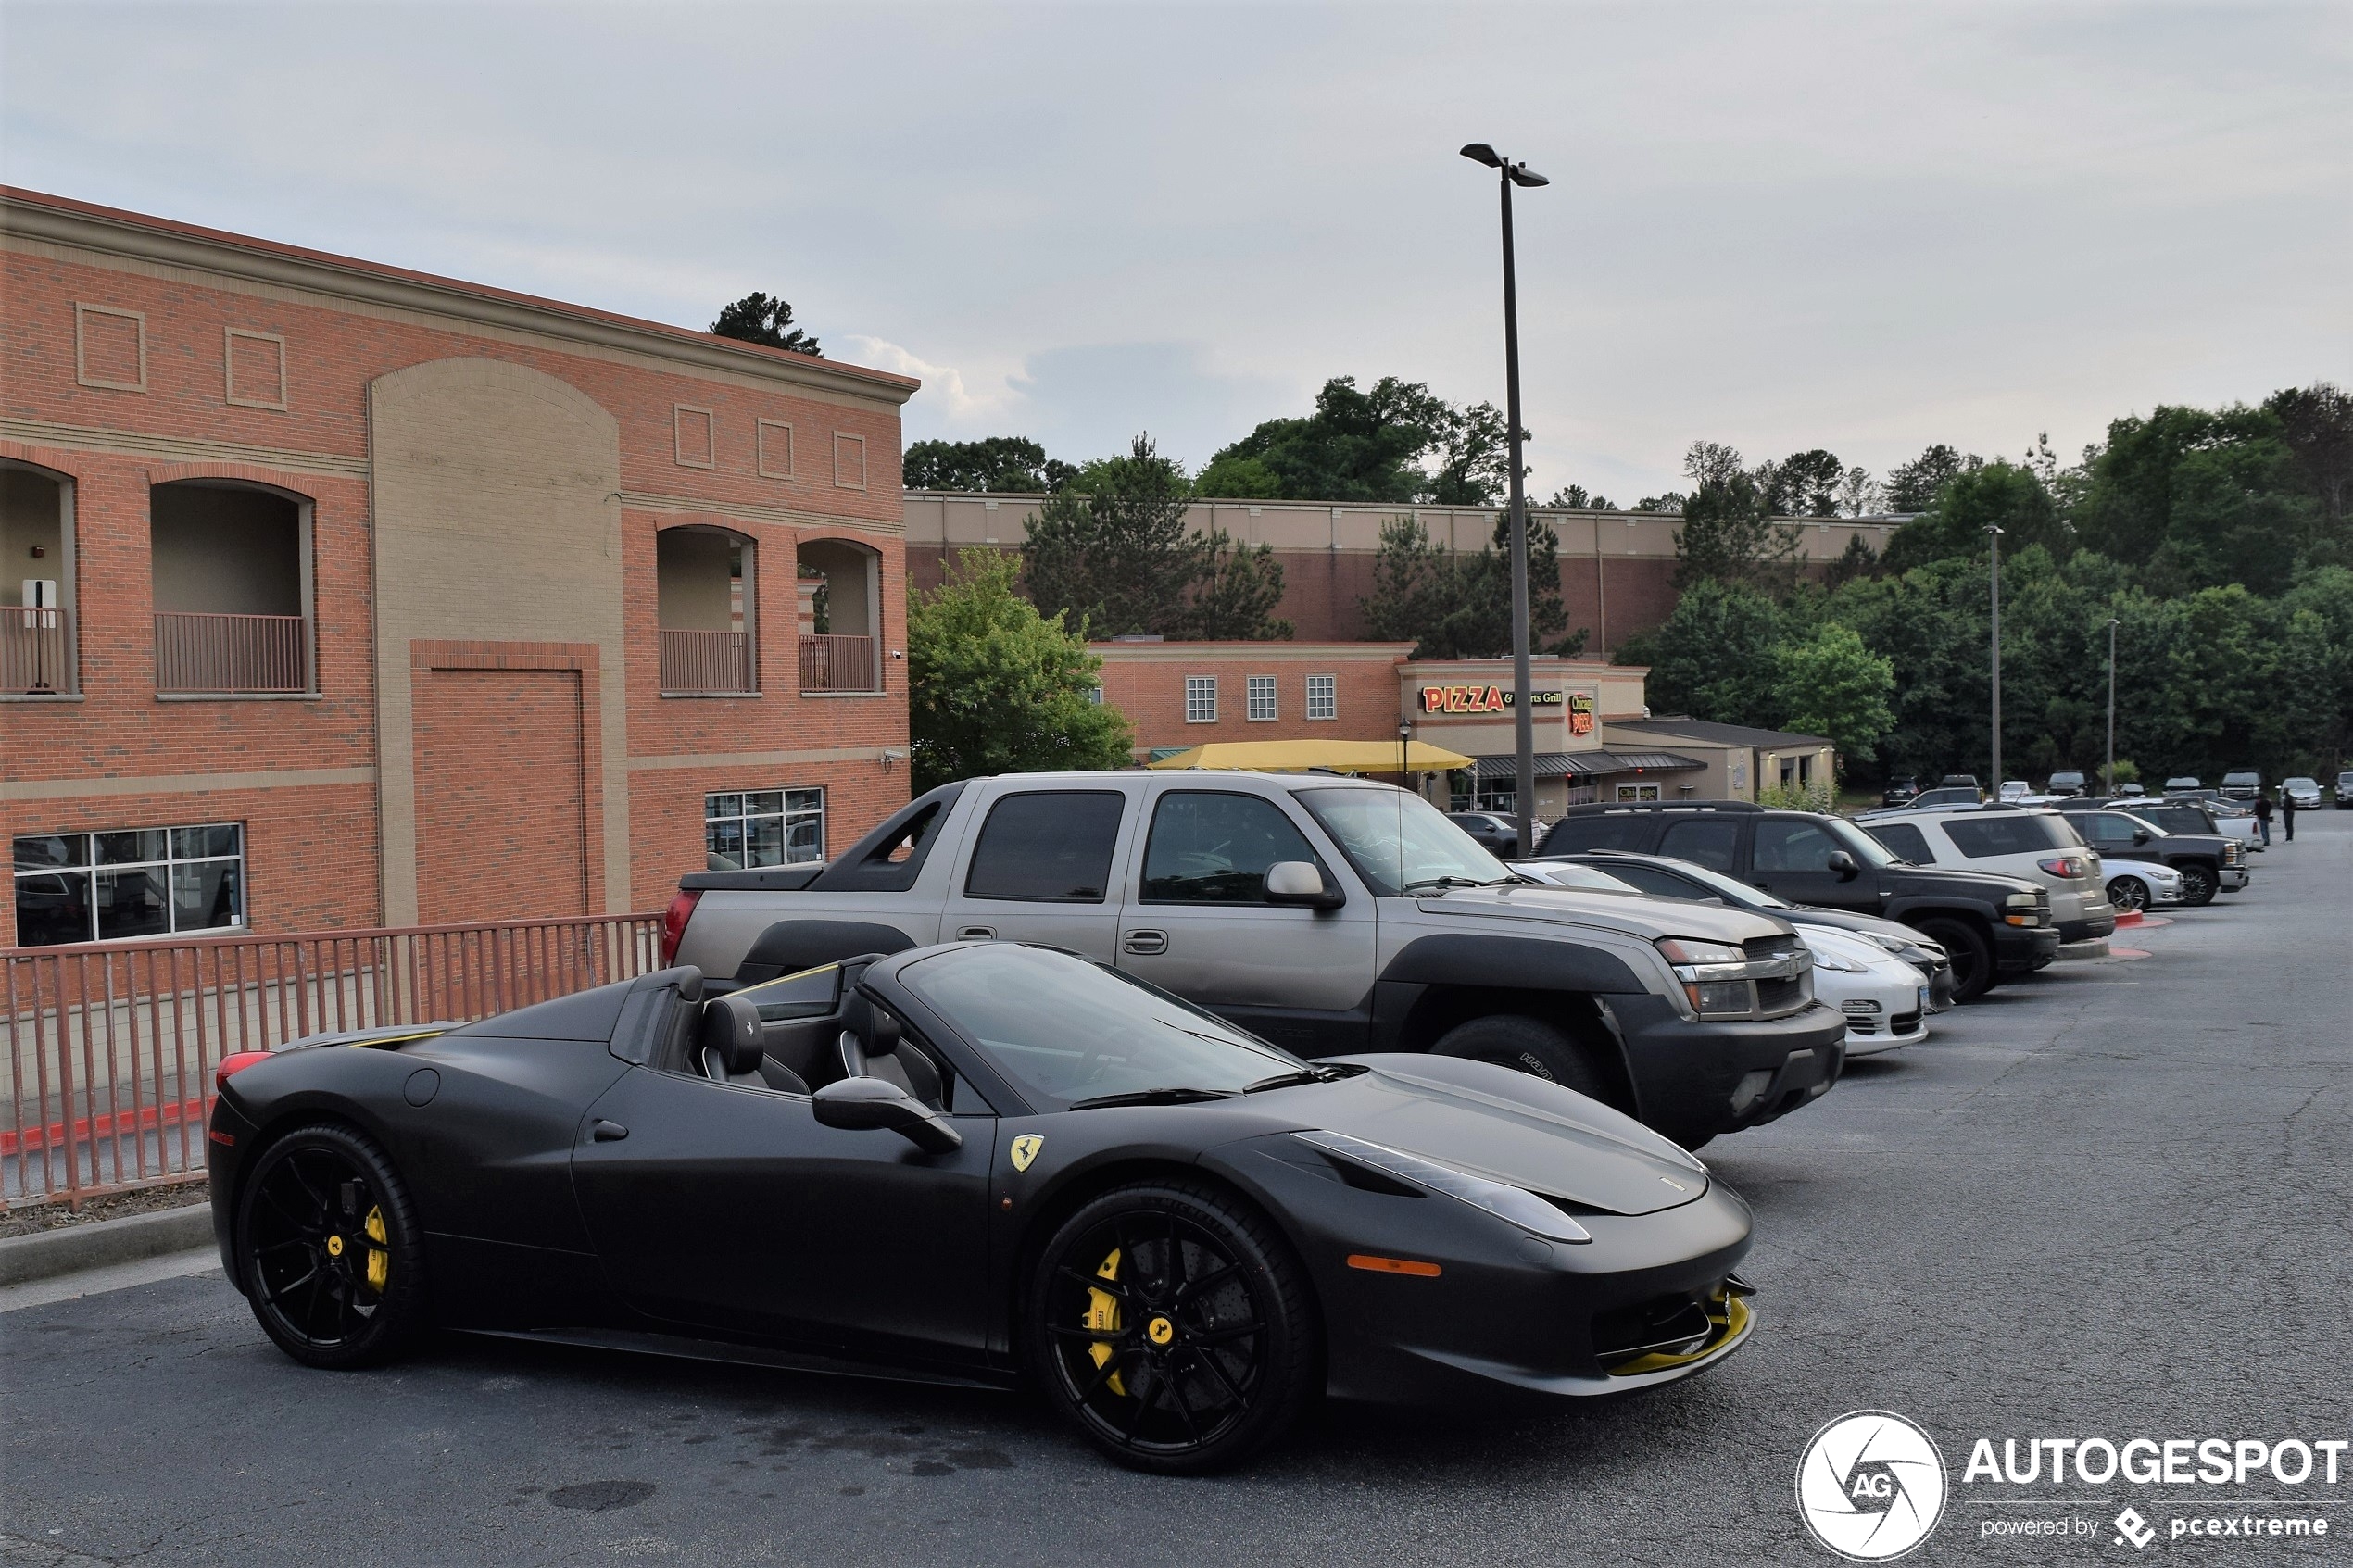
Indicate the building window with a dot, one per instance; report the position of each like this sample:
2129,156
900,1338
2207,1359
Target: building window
1323,696
763,827
1261,694
132,882
1095,695
1200,699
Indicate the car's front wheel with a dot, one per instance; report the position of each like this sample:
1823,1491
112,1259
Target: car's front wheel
1170,1323
1970,952
2130,894
2198,884
330,1250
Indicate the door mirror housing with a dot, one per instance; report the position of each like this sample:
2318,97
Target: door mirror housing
861,1105
1844,864
2140,835
1301,885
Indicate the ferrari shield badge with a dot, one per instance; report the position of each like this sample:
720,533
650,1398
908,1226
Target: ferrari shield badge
1026,1149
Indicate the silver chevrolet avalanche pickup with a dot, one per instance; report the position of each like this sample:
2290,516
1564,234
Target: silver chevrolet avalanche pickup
1328,915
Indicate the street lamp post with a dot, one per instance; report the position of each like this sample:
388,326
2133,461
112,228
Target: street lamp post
2111,707
1523,718
1994,535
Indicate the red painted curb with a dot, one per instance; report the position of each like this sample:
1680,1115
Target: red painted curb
2131,917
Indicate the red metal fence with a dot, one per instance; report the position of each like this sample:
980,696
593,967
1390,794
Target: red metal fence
233,653
36,651
838,664
705,661
112,1045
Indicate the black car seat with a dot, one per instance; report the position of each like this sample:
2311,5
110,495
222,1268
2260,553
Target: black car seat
729,1049
870,1047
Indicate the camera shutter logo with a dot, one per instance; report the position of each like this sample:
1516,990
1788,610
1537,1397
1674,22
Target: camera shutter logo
1870,1486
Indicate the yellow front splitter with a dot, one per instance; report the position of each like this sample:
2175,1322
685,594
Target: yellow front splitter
1728,1318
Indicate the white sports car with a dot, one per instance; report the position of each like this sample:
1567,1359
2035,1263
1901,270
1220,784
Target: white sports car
1882,999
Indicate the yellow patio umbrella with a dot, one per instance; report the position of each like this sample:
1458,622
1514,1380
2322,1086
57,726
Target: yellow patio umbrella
1339,756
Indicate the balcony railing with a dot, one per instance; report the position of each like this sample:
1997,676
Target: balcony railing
701,663
838,664
36,652
233,653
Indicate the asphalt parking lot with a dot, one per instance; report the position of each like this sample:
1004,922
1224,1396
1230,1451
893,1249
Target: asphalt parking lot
2111,1200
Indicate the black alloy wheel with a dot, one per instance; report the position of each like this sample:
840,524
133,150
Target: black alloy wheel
1172,1325
1970,952
2199,884
329,1250
2128,893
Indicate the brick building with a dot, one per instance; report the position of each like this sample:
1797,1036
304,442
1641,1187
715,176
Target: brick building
1616,569
335,594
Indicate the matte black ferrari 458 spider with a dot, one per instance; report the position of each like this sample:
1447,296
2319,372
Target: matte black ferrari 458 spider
984,1162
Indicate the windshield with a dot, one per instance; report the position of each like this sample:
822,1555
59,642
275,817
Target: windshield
1860,845
1069,1032
1737,894
1399,843
1561,874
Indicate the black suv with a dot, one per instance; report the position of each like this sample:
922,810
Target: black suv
1991,926
2209,861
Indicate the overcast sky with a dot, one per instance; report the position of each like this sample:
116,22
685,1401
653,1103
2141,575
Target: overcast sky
1866,227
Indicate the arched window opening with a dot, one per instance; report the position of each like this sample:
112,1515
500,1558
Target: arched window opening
36,584
232,573
840,615
706,593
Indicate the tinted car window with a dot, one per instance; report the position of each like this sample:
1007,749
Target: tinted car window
1785,845
1905,841
2109,827
2175,819
2002,833
1710,842
1212,848
1574,834
1066,1030
1662,884
1049,846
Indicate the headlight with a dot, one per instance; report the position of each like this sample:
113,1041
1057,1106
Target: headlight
1517,1205
1824,959
1720,980
2022,908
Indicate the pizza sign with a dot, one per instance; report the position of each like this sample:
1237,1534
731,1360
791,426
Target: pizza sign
1480,699
1580,713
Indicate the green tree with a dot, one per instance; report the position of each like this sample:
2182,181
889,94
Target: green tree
1357,445
1803,485
757,318
1998,493
1729,534
1452,605
994,688
2316,423
1715,656
1912,487
1112,550
2196,498
1831,684
1577,498
995,463
1471,456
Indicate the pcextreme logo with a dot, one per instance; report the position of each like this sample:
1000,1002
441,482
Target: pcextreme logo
1870,1486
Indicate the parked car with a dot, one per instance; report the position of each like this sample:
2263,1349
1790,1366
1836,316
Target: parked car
2231,819
1882,999
993,1163
2182,783
2303,790
2242,784
2014,790
1960,780
2135,885
1991,926
2208,863
1900,790
1663,878
2034,842
2132,789
2344,790
2067,781
1496,835
1929,799
1328,915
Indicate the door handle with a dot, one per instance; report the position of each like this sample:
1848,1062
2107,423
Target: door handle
976,934
607,1132
1144,944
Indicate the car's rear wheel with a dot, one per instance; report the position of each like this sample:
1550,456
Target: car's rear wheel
1171,1324
2128,893
330,1250
2199,884
1971,953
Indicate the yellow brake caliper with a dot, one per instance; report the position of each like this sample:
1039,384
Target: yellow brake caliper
379,1261
1102,1316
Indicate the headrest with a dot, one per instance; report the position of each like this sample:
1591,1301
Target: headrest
877,1030
731,1027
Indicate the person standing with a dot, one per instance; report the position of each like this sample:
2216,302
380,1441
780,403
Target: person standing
2263,815
2288,816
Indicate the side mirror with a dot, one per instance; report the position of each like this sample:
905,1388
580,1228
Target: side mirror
2140,835
862,1105
1300,884
1844,865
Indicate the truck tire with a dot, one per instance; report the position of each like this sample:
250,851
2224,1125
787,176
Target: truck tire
1971,953
1529,1046
2199,883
